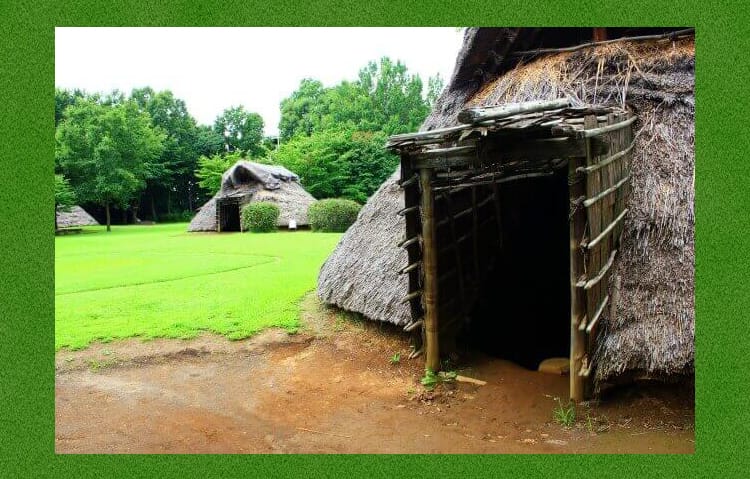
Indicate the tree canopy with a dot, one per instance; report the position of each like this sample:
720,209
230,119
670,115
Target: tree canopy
334,137
107,152
125,151
241,130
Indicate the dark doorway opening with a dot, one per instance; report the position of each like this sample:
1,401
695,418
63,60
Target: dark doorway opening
522,313
229,217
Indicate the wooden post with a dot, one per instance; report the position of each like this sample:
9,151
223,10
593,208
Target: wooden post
577,190
429,262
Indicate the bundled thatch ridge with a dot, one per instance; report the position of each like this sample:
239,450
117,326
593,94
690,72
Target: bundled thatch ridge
652,333
271,183
76,217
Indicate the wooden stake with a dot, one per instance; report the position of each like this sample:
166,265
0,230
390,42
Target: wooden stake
429,258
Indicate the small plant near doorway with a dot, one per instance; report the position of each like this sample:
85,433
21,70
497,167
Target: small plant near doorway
431,379
396,358
564,415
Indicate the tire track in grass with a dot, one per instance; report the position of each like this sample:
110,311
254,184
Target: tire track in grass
270,260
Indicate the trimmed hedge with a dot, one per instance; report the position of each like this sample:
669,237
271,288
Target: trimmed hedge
260,217
332,215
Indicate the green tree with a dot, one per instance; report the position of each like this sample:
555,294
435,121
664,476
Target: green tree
334,137
63,99
107,151
301,112
65,197
210,169
338,163
179,158
241,130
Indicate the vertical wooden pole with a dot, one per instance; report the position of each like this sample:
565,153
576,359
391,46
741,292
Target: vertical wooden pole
429,262
577,305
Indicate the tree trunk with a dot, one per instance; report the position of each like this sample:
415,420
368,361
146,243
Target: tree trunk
153,208
109,222
124,216
190,195
169,201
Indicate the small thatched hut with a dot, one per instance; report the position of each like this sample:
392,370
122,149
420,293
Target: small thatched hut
74,218
247,182
647,329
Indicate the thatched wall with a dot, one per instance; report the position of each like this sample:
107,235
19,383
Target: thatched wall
77,216
652,332
270,183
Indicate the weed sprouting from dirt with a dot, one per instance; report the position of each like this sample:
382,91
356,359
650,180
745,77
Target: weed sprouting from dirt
564,415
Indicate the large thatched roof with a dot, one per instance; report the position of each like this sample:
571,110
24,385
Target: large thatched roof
653,333
260,182
77,216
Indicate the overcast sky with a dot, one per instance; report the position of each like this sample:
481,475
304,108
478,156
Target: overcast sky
214,68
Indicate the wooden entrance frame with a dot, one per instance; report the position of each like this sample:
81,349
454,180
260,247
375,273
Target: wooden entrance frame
453,176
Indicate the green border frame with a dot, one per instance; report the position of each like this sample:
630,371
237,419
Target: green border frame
27,256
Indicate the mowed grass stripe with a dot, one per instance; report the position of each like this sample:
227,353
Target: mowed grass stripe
255,261
236,303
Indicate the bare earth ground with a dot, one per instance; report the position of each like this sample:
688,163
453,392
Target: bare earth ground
332,389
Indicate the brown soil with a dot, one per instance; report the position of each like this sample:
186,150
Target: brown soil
332,389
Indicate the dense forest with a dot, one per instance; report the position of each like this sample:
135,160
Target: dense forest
142,156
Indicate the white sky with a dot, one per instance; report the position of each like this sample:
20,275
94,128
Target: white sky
214,68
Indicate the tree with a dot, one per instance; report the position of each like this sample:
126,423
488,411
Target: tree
179,158
338,163
107,151
63,99
301,112
334,137
241,130
210,169
65,198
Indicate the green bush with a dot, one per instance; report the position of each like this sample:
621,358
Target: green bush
332,215
260,217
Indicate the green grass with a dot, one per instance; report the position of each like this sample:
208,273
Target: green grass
159,281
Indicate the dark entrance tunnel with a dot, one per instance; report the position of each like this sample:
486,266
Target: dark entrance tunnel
523,308
229,216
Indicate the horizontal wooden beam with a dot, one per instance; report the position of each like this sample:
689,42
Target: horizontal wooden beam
606,161
475,115
407,210
606,192
408,242
412,295
405,183
437,134
606,129
606,231
496,181
593,281
413,325
498,152
599,310
446,152
410,267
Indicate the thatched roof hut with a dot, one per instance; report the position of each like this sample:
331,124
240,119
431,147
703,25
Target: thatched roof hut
247,182
76,217
648,330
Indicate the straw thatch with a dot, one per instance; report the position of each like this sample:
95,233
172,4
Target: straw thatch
257,182
652,332
76,217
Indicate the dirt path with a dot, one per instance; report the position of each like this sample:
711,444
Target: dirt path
333,389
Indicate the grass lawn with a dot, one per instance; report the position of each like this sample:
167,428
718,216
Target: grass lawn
159,281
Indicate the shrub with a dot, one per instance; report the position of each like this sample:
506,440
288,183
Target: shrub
332,215
260,217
